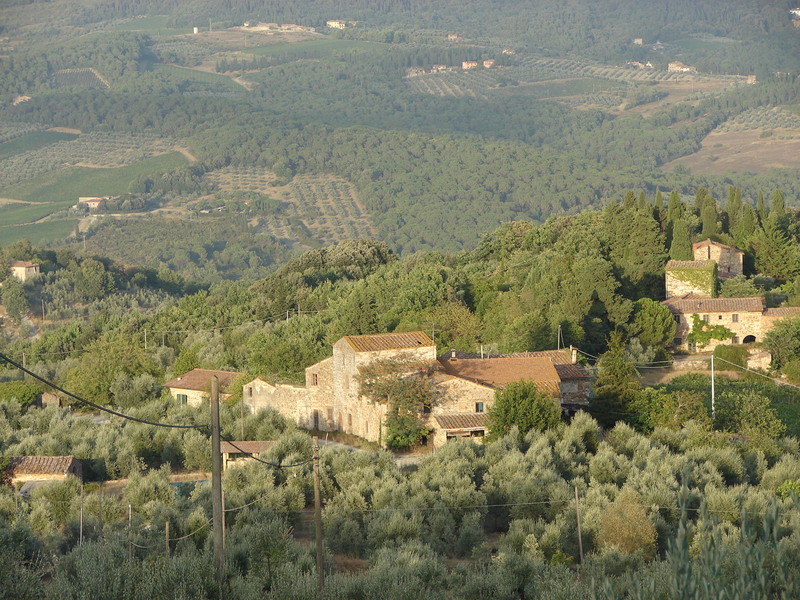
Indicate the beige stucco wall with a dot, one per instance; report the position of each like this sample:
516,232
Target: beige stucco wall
195,397
680,287
729,261
749,323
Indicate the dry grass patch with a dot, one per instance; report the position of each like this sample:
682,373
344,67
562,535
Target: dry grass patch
743,151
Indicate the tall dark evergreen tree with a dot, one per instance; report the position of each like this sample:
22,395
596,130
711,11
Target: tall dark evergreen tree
681,247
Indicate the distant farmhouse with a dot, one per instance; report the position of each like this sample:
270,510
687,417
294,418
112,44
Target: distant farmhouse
331,399
691,289
679,67
194,388
24,269
93,202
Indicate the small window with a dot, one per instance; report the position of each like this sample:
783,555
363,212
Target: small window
182,398
426,408
250,392
735,318
314,379
734,340
479,407
719,317
705,318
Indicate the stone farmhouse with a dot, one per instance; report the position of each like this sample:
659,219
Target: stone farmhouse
465,385
24,269
691,290
44,468
194,388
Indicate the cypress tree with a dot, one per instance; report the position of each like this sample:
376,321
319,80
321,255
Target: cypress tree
761,208
709,217
681,247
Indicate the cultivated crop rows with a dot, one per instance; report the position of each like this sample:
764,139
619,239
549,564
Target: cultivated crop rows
762,118
330,210
539,69
9,131
104,150
250,179
600,99
182,50
454,83
84,78
327,206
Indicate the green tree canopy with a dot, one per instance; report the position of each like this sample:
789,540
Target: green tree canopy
520,404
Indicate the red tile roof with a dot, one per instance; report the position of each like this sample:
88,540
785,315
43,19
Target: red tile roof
783,311
41,465
461,421
498,372
562,360
251,447
200,380
388,341
684,305
710,242
23,263
687,264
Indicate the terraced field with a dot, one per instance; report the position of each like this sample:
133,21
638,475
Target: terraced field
483,83
99,150
325,209
763,118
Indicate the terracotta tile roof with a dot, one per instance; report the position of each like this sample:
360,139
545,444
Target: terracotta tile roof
497,372
388,341
683,305
251,447
461,421
687,264
200,380
710,242
561,359
23,263
782,311
41,465
569,371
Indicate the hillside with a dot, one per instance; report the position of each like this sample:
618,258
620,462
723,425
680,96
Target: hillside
352,132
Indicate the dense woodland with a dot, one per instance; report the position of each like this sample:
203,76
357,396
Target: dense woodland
506,221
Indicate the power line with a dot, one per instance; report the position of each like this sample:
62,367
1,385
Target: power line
92,404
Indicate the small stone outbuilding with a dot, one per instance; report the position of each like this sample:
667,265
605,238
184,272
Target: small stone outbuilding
44,468
194,388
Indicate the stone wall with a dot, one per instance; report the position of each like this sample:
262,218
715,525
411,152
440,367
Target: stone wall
743,325
680,282
729,260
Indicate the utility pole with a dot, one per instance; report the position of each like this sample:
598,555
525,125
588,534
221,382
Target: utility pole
578,517
216,486
130,534
44,316
166,538
145,339
318,516
242,416
80,538
713,395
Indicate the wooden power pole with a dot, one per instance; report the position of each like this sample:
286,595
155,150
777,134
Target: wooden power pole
216,486
318,516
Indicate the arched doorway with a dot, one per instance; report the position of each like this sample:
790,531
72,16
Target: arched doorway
749,339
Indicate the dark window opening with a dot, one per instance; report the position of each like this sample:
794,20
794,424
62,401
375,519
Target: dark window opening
479,407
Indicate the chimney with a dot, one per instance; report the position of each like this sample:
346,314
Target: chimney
453,355
573,354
